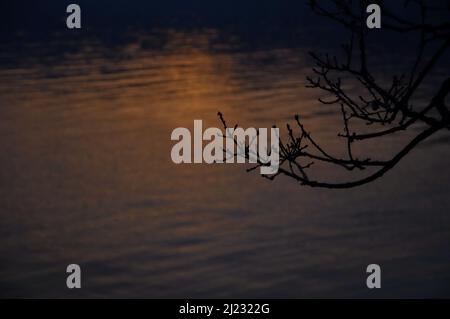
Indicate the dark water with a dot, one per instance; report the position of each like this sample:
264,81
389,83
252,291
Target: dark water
86,177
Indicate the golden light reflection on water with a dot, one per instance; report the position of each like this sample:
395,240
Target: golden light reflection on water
89,179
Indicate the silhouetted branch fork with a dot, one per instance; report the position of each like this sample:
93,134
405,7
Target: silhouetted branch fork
389,165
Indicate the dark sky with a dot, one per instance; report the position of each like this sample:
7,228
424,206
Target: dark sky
263,21
21,14
44,15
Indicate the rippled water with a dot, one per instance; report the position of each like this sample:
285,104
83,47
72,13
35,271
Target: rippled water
86,177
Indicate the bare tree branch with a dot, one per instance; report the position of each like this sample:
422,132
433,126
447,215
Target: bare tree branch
385,109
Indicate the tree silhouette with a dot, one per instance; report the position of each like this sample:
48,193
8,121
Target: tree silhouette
381,109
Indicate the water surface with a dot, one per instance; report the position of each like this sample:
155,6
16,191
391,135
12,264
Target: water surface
86,177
